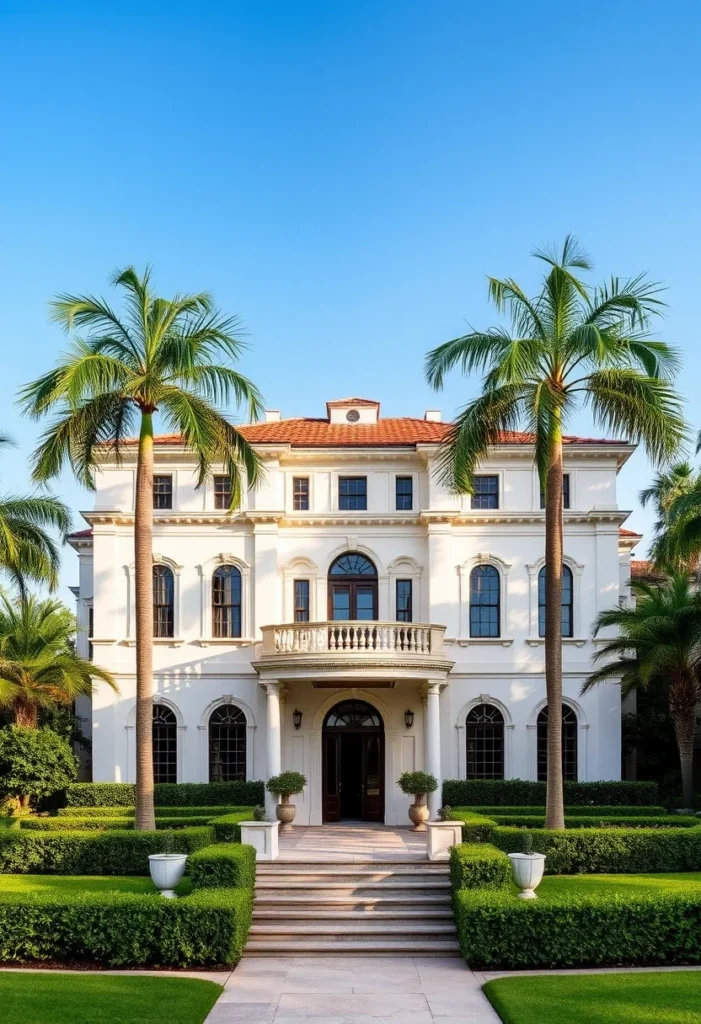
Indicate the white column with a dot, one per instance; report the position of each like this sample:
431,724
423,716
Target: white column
273,754
432,755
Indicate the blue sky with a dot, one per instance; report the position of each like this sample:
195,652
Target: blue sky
342,175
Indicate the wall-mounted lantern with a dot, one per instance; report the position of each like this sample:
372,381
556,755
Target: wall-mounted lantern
408,718
297,718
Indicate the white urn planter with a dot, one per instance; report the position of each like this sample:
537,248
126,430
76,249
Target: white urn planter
441,836
263,835
167,870
528,872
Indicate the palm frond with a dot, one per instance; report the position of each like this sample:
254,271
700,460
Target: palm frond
475,351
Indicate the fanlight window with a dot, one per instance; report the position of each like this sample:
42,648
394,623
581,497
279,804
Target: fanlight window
163,601
226,601
353,714
569,744
227,744
165,744
352,565
567,602
484,727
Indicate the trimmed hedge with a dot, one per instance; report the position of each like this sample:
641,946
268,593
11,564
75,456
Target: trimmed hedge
227,827
519,792
167,794
224,865
608,850
496,930
161,812
118,852
208,927
603,811
593,821
477,828
97,822
478,866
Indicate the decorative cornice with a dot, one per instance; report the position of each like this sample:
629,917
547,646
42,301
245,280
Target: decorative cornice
343,663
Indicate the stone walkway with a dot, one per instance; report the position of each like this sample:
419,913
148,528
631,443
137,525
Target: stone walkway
378,990
349,841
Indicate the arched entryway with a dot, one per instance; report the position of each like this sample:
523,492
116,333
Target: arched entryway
352,588
353,763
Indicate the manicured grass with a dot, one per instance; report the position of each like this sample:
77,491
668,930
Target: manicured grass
36,997
83,884
557,887
672,997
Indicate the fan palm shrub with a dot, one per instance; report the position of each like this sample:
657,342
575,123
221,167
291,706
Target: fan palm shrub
569,346
167,356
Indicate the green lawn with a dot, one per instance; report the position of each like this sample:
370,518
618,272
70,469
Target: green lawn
642,998
559,886
83,883
37,997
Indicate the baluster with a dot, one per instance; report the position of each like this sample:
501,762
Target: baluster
412,633
426,642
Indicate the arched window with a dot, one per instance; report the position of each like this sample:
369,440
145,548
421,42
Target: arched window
567,602
226,601
484,601
352,588
569,743
227,744
353,714
485,742
165,744
163,601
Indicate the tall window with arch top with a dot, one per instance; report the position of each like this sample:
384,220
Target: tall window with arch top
484,728
567,602
163,601
227,744
569,744
165,744
485,602
226,601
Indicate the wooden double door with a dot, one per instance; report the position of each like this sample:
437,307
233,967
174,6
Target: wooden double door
354,769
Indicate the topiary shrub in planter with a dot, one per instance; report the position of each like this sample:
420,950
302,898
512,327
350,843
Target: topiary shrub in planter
418,785
285,785
34,763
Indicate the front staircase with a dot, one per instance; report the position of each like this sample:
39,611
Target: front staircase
352,906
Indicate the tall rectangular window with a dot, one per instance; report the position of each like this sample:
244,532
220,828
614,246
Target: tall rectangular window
353,493
300,493
91,631
486,492
301,600
222,492
404,494
565,492
163,491
404,601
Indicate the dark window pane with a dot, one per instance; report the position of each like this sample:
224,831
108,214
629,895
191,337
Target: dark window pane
365,603
227,744
165,744
353,565
567,602
300,493
341,603
163,491
485,743
353,714
91,631
352,493
569,744
485,492
222,492
226,601
404,603
404,493
301,600
484,601
163,601
565,492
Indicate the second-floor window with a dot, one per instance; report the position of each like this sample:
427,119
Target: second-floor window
404,494
91,631
163,491
226,601
163,601
301,600
484,601
565,492
222,492
567,602
486,492
353,493
300,493
404,601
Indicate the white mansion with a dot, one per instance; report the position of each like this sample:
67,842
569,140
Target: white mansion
354,619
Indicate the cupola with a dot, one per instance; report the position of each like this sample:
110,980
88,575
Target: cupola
350,411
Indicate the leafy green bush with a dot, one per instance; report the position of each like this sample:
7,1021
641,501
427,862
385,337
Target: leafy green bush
227,827
34,763
477,828
226,864
594,821
608,850
497,930
415,783
167,794
479,866
91,853
518,792
95,822
579,811
286,783
207,927
161,812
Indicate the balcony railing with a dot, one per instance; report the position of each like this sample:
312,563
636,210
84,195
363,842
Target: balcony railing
388,639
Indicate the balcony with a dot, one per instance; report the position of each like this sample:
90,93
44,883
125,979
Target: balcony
354,650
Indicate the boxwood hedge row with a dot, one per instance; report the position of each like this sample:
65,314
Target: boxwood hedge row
167,794
478,866
97,822
577,809
175,812
519,792
601,821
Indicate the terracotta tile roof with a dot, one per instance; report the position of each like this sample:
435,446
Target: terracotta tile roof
352,401
640,567
628,533
80,533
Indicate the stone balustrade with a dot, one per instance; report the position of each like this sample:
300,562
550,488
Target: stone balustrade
389,639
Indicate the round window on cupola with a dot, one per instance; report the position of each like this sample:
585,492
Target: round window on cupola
352,415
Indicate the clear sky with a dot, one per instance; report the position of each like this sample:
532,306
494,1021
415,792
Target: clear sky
342,174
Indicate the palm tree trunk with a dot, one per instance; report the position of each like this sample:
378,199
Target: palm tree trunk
26,715
554,801
143,574
685,730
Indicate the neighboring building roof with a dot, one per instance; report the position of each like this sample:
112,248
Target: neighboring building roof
80,533
640,567
622,532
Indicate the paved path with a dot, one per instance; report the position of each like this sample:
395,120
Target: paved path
379,990
350,841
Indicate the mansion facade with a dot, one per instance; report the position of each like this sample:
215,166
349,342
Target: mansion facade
354,619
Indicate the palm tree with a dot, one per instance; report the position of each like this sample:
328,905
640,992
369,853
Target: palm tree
571,345
677,481
39,667
658,644
162,355
27,552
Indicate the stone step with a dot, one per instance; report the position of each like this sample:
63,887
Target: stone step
365,947
384,911
344,930
289,878
391,882
400,866
285,899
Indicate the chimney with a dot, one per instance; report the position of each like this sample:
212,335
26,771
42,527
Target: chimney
433,415
272,416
